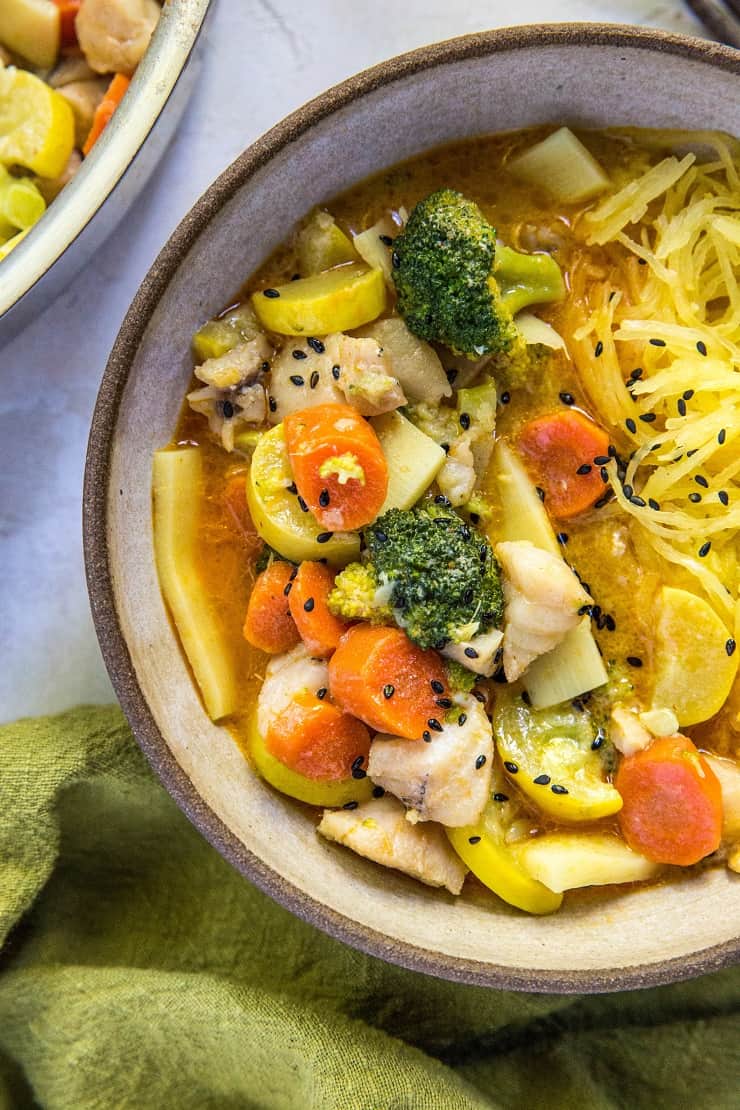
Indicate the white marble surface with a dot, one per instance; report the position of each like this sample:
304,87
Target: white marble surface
264,58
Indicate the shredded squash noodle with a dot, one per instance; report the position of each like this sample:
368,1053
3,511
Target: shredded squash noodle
655,327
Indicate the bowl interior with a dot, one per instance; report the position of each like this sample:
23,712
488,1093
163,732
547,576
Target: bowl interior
591,77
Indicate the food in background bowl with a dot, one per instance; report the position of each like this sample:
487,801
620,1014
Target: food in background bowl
65,65
449,525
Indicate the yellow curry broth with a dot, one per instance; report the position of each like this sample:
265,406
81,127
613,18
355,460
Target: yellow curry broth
599,544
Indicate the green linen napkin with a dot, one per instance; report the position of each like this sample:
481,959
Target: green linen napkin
139,970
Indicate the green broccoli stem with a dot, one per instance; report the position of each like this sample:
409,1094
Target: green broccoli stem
525,279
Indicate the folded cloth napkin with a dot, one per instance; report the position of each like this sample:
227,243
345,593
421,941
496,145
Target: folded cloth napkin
137,969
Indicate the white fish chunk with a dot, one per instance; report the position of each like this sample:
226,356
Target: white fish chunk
114,34
626,732
241,365
446,780
366,376
285,676
542,597
378,830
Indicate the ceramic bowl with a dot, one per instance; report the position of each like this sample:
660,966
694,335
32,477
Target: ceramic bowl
586,75
91,206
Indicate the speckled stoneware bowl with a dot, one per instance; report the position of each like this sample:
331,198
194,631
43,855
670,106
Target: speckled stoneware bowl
581,74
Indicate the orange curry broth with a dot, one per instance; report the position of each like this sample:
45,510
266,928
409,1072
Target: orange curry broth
598,544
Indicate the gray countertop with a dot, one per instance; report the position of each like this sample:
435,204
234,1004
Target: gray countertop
263,58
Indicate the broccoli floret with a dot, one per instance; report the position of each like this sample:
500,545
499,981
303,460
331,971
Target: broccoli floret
442,574
461,680
456,286
358,597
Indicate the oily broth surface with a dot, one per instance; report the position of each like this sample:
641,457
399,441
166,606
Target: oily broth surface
598,544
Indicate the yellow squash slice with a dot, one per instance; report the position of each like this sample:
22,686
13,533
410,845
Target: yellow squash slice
337,300
37,128
693,671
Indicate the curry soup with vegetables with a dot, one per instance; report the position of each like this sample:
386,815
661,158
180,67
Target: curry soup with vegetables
449,524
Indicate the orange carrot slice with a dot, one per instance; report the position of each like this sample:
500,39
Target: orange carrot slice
114,94
672,810
268,624
68,10
559,450
338,465
319,629
380,676
316,739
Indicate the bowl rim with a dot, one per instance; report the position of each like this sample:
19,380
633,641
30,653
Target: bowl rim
95,501
103,170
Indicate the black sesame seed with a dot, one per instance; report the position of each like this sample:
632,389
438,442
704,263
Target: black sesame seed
302,504
721,435
434,724
462,719
598,740
598,349
505,397
395,260
381,536
730,646
389,690
653,504
681,406
386,240
473,840
512,768
636,374
634,660
657,342
559,789
690,454
323,537
635,500
358,773
321,693
627,490
567,398
437,686
479,695
603,501
324,498
701,481
687,394
480,761
584,468
540,492
704,549
271,293
542,780
695,498
378,792
296,378
358,761
642,261
610,623
350,805
604,473
464,421
701,347
498,797
631,426
443,703
562,537
316,345
309,604
298,355
724,497
314,379
471,653
335,372
601,460
426,736
272,404
647,417
583,610
228,410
